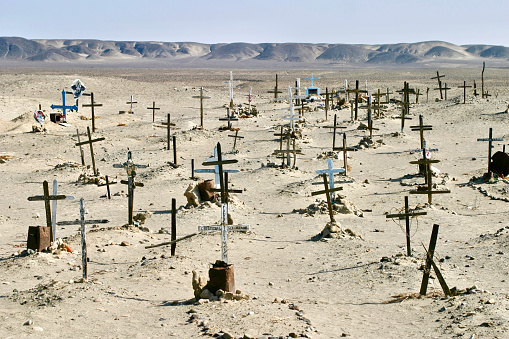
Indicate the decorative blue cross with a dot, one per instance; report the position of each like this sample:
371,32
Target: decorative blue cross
330,171
312,78
216,169
63,107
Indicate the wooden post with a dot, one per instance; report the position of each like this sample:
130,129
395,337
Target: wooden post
173,225
92,104
429,257
83,241
175,150
153,108
82,154
192,169
482,78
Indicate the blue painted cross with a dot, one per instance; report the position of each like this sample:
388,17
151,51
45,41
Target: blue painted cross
63,107
312,78
330,171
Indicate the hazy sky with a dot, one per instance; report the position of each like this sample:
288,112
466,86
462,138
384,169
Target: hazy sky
213,21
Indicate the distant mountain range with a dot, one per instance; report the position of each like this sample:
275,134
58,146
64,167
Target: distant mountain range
15,48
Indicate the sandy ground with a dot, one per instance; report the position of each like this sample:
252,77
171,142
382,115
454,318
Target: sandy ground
298,285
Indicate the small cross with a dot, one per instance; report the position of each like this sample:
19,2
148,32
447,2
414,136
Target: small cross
327,191
168,125
64,107
357,91
370,120
490,140
330,172
334,127
275,90
464,90
90,142
429,191
236,136
406,215
229,118
107,184
153,108
439,83
344,149
312,78
201,97
92,104
131,103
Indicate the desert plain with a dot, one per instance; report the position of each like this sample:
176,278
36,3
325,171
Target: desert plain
299,284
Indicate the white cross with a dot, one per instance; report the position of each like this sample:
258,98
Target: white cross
330,171
231,85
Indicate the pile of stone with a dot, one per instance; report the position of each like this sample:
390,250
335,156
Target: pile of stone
340,206
335,231
366,142
88,177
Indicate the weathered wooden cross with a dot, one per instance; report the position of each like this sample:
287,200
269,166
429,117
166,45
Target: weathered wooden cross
406,215
439,83
357,91
328,96
430,252
168,125
236,136
107,184
92,104
229,118
378,103
482,78
275,91
334,127
131,102
345,150
223,189
405,105
90,142
286,153
64,107
216,169
445,88
130,168
327,191
464,91
153,108
330,170
46,197
201,97
370,120
82,154
490,140
429,189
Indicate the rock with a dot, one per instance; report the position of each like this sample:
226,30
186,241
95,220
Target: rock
193,195
141,217
28,322
204,190
228,295
226,335
125,243
206,294
250,334
199,282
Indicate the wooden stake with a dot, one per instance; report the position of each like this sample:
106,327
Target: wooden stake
175,150
82,154
173,225
83,241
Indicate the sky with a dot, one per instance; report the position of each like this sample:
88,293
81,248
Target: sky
460,22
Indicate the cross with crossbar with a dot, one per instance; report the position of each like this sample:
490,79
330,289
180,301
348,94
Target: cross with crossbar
334,127
90,142
276,91
330,170
92,104
153,108
229,118
201,97
64,107
429,188
236,136
131,103
356,91
464,91
327,191
345,150
439,83
490,140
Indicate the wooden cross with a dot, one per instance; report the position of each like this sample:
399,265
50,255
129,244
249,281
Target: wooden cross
490,140
328,96
64,107
378,101
405,106
330,172
370,120
236,136
90,142
292,116
357,91
387,96
46,197
475,90
216,168
131,103
344,149
168,125
231,86
223,188
346,90
327,191
421,128
201,97
417,95
130,168
429,191
406,215
464,91
229,118
289,151
92,104
284,136
275,90
107,184
303,108
439,83
82,154
334,127
430,262
83,224
153,108
445,88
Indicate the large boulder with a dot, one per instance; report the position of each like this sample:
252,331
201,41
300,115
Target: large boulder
500,163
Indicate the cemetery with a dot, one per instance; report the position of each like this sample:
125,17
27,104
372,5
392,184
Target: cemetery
250,204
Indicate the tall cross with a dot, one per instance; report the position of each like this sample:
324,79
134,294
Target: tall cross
92,104
439,83
46,197
284,136
356,91
445,88
131,103
130,168
490,140
327,191
90,142
201,97
153,108
312,78
231,86
82,154
405,106
328,96
345,150
224,200
334,127
330,170
370,120
276,91
464,91
216,168
421,128
378,101
168,125
292,117
64,107
406,215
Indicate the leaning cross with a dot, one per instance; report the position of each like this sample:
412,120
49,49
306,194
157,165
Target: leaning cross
406,215
327,191
490,139
344,149
92,104
464,91
64,107
153,108
46,198
429,191
236,136
90,142
439,83
201,97
330,172
431,263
